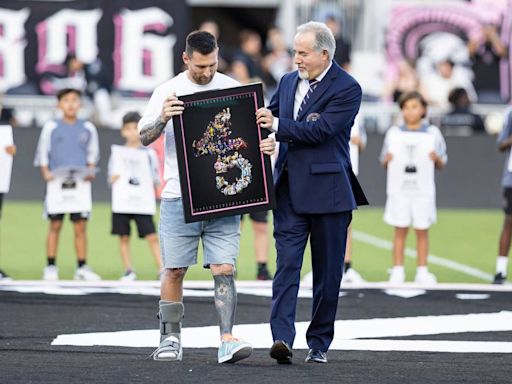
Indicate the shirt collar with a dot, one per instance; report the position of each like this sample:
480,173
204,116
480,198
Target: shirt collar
423,128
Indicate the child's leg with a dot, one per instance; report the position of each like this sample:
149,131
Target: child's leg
52,240
422,246
80,239
348,249
504,248
506,234
261,241
423,276
154,246
399,245
124,249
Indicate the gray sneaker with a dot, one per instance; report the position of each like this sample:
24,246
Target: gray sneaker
169,350
233,351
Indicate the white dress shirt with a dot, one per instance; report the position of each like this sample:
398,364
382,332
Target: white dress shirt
300,93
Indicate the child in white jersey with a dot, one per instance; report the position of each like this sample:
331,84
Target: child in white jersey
410,153
68,142
131,170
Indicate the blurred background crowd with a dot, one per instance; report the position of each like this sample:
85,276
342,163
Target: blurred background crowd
456,53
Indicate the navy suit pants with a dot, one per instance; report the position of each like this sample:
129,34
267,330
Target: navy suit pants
327,234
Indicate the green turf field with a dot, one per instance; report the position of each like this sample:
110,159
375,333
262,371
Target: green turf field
467,236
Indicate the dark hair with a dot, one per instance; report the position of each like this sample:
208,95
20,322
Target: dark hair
200,41
69,57
458,96
131,117
64,91
412,95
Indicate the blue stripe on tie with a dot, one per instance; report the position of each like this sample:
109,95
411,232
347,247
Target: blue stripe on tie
312,85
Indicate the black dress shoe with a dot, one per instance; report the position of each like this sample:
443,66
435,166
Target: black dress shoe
282,352
316,356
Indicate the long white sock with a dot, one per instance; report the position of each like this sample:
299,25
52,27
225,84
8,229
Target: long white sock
501,264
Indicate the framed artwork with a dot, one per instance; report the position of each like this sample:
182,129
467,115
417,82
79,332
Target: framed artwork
222,171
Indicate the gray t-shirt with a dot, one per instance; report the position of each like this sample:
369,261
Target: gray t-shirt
63,145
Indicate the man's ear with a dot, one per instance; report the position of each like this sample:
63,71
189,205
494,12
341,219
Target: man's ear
185,57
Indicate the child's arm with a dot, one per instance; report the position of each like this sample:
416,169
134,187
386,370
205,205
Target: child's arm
439,155
42,155
505,144
11,150
47,175
438,161
113,174
155,168
360,138
386,156
91,176
93,151
504,140
386,159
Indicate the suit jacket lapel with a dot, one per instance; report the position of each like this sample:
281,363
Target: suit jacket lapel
319,91
291,97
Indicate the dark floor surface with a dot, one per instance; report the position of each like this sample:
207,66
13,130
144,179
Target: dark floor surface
30,321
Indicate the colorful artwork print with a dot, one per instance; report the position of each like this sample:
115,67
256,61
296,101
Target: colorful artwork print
216,140
222,170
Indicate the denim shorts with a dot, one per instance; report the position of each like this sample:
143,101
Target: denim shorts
179,241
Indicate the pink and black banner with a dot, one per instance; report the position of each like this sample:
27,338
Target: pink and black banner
425,33
138,43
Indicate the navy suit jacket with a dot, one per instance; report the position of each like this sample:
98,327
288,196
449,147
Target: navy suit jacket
315,147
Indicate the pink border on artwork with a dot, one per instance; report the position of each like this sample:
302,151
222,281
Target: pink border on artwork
186,161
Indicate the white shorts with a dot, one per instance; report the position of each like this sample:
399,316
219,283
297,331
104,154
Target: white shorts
404,211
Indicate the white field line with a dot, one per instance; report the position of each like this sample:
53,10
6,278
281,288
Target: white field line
153,287
359,334
433,259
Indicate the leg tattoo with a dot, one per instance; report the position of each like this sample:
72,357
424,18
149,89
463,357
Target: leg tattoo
225,302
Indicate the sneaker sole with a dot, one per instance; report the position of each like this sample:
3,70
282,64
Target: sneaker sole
240,353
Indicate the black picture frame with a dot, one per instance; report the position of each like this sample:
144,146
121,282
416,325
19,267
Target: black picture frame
222,171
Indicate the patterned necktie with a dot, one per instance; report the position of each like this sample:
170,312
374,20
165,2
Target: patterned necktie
312,85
